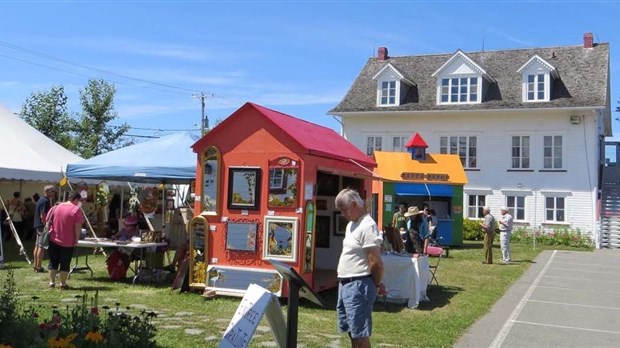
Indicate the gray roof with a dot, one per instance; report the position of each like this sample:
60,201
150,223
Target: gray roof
583,80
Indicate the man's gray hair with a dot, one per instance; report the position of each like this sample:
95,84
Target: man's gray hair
487,208
348,197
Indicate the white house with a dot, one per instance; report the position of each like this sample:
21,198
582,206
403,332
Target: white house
528,124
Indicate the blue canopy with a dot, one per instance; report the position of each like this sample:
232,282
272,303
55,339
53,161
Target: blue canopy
168,159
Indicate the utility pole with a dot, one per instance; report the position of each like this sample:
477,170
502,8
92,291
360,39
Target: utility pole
204,119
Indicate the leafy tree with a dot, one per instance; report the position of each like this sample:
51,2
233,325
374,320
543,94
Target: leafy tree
94,135
47,112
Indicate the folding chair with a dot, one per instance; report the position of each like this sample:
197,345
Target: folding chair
436,252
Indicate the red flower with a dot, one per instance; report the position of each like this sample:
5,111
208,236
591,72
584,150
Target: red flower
94,310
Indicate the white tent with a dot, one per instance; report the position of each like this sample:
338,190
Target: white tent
27,154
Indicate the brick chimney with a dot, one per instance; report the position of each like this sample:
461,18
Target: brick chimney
588,40
382,53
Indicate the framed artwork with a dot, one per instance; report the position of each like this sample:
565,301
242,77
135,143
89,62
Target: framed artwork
280,238
283,183
340,224
244,188
241,235
321,204
322,227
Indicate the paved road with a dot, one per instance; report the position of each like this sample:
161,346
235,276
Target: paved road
566,299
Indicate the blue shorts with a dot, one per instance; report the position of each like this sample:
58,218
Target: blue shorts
355,302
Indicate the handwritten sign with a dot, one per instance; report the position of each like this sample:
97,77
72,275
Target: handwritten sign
256,302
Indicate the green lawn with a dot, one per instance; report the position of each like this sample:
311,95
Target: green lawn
467,291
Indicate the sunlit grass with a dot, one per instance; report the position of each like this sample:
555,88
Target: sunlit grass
467,290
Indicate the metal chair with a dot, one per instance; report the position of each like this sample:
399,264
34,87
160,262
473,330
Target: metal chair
434,251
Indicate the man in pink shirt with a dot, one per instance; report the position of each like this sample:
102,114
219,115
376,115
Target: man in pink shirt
66,224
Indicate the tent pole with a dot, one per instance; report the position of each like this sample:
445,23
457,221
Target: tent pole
22,250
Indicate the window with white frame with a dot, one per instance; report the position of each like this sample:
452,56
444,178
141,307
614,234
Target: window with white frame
398,144
388,93
552,152
373,143
459,90
516,204
464,146
521,151
536,87
555,209
475,203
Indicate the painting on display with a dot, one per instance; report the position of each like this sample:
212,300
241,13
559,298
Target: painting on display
243,188
280,238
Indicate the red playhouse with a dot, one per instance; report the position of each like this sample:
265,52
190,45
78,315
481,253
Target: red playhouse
265,189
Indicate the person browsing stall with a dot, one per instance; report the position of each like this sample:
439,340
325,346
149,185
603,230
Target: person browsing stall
43,206
360,270
130,227
66,224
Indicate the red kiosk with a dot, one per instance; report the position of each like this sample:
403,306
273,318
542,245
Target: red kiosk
265,189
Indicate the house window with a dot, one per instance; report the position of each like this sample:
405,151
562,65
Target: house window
555,210
521,152
552,157
276,178
463,146
516,204
536,87
373,144
459,90
475,204
388,93
398,144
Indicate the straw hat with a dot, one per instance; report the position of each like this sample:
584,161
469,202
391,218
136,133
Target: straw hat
413,211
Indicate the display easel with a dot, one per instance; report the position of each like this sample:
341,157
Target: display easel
22,250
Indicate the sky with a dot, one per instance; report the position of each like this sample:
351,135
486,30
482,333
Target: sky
297,57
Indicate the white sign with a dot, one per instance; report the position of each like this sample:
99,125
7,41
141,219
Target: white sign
256,302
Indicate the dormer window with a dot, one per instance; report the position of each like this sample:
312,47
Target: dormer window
461,81
459,90
537,76
392,86
388,93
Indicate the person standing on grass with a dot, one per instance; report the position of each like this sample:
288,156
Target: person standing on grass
360,270
488,228
505,232
41,209
66,223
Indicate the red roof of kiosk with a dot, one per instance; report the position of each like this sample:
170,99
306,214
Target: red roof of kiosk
416,141
318,140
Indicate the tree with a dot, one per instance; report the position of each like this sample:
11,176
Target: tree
47,112
94,135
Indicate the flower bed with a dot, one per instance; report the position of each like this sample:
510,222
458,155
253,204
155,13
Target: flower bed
81,325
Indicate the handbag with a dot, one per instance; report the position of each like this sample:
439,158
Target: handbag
45,235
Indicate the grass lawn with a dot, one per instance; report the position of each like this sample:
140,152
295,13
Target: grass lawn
467,290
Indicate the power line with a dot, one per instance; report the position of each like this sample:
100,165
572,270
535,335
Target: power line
160,129
65,61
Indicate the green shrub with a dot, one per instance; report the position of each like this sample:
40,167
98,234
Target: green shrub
472,230
556,237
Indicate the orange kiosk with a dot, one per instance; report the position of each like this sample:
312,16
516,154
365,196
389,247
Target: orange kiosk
265,189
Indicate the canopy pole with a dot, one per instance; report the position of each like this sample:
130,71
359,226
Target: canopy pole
22,250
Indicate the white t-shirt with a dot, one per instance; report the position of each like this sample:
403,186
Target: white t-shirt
360,235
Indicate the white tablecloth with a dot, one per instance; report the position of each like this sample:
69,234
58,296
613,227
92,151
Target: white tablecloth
405,279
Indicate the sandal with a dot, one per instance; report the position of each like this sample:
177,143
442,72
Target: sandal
64,287
52,285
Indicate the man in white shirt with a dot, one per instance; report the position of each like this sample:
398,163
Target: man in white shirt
360,270
505,231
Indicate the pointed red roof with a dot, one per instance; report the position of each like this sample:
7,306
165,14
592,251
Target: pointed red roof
317,140
416,141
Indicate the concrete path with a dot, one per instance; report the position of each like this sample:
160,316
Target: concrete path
566,299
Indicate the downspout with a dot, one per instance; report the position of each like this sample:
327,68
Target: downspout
341,124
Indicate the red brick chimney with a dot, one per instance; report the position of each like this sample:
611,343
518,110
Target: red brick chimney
382,54
588,40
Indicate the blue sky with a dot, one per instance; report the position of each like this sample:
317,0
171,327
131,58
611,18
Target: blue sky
298,57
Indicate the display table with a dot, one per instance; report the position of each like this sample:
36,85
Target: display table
94,243
405,279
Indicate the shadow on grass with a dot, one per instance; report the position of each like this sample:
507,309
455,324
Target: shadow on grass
439,296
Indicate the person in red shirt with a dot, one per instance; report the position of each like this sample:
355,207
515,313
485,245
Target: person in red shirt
66,223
